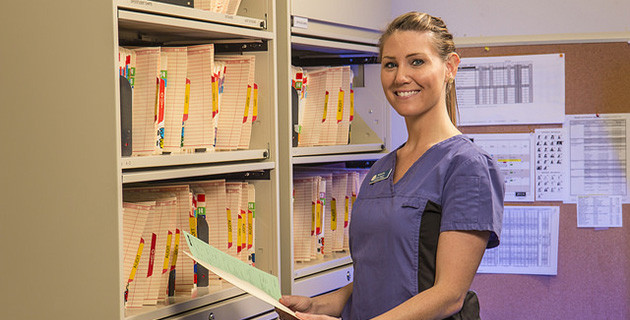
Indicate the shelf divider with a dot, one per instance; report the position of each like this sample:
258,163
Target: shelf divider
165,9
187,172
193,158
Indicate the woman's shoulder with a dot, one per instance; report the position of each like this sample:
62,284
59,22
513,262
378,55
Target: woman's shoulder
464,152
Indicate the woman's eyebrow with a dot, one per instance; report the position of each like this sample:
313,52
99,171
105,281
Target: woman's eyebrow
420,54
415,54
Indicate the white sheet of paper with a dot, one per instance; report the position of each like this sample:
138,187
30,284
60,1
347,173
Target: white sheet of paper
599,212
529,242
247,278
597,155
511,90
551,184
514,154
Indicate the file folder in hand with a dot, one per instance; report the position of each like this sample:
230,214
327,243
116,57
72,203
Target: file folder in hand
254,281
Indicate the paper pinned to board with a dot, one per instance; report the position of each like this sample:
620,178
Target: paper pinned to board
254,281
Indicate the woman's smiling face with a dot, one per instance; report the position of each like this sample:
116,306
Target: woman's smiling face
413,75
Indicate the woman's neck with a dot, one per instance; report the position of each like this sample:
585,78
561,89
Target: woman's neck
429,129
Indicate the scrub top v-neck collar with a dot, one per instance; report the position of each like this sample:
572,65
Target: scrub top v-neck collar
416,163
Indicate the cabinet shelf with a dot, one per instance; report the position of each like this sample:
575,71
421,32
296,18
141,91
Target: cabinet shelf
331,46
338,149
330,261
190,13
198,25
325,281
196,158
351,152
167,173
338,158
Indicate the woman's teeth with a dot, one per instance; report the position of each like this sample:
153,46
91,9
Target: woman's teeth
406,93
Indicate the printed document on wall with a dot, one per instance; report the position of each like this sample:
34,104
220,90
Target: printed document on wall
511,90
599,212
529,242
514,155
598,155
551,184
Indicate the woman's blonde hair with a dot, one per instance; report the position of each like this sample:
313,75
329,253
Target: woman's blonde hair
442,38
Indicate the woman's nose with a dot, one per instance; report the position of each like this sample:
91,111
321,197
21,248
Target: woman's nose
402,75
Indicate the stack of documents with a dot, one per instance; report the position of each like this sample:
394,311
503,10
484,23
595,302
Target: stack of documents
185,100
219,6
154,218
326,105
322,202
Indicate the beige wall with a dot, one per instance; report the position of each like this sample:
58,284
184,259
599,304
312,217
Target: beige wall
556,20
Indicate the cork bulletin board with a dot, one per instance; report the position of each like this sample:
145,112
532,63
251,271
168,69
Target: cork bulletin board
593,280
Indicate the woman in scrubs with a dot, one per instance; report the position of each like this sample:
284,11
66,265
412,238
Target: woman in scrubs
427,211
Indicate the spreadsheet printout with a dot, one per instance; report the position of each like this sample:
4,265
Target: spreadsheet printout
529,242
511,90
597,155
599,212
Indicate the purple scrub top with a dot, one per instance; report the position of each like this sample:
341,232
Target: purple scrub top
454,185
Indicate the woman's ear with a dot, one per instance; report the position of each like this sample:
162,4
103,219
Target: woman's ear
452,63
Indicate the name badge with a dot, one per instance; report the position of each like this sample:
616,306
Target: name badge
380,176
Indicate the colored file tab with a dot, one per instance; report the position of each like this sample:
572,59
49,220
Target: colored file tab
254,281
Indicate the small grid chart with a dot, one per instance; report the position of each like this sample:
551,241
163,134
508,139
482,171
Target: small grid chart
495,83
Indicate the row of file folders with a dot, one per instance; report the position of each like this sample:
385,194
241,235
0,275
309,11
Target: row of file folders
324,101
322,203
186,99
218,212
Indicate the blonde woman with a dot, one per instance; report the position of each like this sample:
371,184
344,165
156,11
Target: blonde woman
429,209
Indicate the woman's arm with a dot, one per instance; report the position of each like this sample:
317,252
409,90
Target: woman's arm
458,256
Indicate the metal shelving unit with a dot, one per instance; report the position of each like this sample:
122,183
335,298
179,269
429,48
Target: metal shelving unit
149,23
325,43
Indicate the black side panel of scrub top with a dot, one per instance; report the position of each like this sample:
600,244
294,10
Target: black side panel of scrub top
429,233
427,250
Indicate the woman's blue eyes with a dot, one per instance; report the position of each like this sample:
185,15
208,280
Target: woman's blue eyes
415,63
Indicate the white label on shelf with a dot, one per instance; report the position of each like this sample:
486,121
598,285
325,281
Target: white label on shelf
300,22
142,2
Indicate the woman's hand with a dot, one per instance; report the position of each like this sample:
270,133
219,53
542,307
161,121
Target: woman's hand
295,303
316,308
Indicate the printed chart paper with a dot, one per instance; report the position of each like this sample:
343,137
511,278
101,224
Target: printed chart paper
254,281
529,242
598,155
511,90
599,212
514,154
